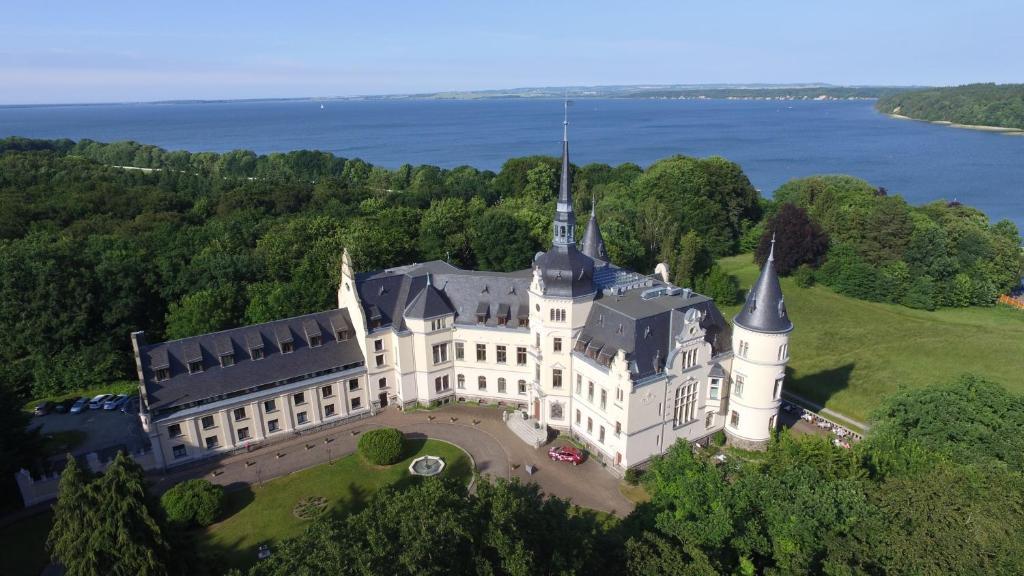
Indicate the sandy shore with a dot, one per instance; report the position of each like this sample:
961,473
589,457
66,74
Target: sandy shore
1001,129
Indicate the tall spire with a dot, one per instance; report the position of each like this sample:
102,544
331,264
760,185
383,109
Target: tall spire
593,243
564,229
765,309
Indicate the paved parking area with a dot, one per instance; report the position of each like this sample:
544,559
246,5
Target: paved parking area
104,429
495,450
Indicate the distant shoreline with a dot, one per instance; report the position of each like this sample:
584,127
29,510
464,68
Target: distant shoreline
981,128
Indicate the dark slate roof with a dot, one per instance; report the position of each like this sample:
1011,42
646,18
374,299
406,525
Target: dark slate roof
645,329
593,244
184,389
428,303
764,309
566,271
462,292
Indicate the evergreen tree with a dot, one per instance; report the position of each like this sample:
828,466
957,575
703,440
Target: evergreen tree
692,260
74,523
127,541
105,527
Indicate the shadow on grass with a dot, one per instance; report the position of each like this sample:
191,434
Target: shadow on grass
820,386
237,496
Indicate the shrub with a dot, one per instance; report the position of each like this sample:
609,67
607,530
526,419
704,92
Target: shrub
722,287
193,503
718,438
633,476
804,276
382,446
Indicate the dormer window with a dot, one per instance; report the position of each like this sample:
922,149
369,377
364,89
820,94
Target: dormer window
284,339
227,360
312,330
481,312
193,355
341,335
162,374
254,343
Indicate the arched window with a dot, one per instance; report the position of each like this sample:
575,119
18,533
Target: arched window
501,385
734,419
460,382
482,383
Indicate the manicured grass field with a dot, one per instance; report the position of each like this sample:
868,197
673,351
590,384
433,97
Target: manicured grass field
264,514
849,354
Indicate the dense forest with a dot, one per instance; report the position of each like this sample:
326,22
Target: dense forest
973,104
868,244
934,489
90,251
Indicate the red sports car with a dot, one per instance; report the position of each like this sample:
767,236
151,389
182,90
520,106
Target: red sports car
566,454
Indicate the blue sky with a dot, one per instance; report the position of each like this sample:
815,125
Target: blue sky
102,51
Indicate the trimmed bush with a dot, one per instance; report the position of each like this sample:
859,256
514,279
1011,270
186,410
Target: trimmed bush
382,446
633,476
193,503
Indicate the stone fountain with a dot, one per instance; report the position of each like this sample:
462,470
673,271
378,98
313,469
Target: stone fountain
426,466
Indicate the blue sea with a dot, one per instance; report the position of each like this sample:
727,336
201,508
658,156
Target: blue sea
773,141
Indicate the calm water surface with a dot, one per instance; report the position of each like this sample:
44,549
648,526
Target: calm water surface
772,141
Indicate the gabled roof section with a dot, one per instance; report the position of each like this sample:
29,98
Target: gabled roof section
645,328
460,292
428,303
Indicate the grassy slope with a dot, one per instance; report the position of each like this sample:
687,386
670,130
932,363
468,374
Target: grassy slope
848,354
264,514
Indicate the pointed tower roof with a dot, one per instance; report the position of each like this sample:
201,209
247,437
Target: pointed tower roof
566,271
593,243
565,185
765,309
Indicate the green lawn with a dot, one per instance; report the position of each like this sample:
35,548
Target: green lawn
265,514
849,354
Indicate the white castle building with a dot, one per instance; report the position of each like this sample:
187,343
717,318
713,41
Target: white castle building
624,362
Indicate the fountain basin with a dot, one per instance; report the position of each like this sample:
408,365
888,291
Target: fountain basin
426,466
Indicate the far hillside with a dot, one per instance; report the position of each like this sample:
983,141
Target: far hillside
999,105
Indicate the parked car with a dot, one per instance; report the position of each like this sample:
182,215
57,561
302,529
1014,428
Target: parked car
79,406
43,408
115,402
566,454
131,405
97,402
